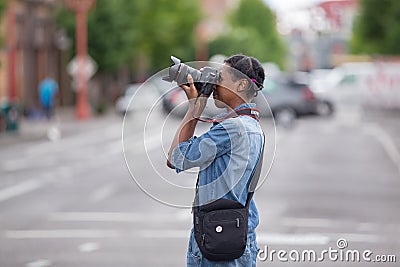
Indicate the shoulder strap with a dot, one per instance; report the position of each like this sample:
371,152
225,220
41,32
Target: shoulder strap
255,175
251,112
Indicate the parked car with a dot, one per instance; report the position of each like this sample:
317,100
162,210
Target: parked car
319,85
175,102
289,97
122,105
367,84
146,95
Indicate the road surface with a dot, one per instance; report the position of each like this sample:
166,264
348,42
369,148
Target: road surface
74,202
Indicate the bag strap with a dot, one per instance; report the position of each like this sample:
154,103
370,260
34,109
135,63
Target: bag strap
255,175
255,114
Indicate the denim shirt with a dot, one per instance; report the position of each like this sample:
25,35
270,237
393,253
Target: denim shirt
227,155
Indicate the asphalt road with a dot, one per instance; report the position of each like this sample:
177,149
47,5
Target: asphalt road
74,202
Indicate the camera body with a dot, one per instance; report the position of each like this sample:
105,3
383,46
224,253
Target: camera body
203,80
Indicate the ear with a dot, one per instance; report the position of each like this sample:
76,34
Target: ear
243,85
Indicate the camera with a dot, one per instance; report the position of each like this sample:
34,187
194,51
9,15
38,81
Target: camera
203,80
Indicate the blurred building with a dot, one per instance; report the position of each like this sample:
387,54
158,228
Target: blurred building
323,35
332,21
3,75
300,57
39,51
3,59
334,17
213,24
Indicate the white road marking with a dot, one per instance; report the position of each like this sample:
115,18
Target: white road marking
308,222
367,227
21,188
263,238
292,239
76,141
82,142
386,142
328,223
39,263
140,145
314,238
164,234
274,238
184,215
363,238
103,193
12,165
116,217
61,233
88,247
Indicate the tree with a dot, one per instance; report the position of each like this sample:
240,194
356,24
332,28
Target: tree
252,32
121,32
3,6
166,28
376,28
108,40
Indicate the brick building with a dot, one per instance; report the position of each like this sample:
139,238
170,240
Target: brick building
39,51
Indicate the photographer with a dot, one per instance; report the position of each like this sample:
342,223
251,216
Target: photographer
227,154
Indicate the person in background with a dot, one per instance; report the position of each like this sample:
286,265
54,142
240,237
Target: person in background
48,89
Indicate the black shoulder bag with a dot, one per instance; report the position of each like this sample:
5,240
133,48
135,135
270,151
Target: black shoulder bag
220,227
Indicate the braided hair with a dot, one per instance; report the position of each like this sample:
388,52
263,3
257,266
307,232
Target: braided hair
250,67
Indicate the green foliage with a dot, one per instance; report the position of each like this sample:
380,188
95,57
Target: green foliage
253,32
108,43
166,28
66,20
109,38
376,30
3,6
121,31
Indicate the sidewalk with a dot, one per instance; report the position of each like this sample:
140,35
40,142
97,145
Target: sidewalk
65,121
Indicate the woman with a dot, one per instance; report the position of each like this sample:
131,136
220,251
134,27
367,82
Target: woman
228,153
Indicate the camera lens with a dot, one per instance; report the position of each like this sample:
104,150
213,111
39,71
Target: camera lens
203,80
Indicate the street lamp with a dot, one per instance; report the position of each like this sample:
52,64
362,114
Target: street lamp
81,8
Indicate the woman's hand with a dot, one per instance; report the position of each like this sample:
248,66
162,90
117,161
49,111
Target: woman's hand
190,91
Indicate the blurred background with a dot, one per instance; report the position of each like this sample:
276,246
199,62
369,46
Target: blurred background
68,72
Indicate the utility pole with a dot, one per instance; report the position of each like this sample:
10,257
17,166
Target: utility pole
81,8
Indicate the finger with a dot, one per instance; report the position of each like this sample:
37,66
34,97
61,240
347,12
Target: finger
185,87
188,90
190,81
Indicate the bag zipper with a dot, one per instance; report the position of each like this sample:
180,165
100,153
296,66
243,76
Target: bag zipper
203,237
